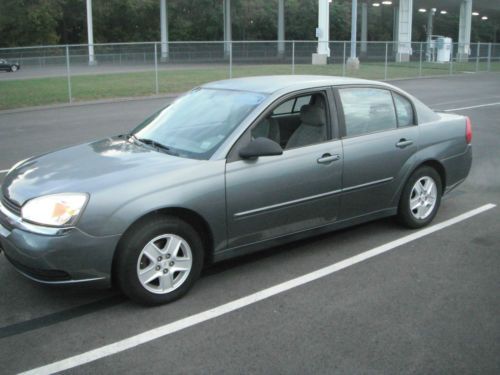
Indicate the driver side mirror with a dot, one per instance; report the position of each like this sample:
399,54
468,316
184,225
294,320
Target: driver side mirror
260,147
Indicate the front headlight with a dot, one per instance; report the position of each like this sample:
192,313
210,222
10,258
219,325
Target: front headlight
54,210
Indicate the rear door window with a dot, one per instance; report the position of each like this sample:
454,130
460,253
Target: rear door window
367,110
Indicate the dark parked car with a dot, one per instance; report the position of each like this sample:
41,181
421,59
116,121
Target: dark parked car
229,168
9,66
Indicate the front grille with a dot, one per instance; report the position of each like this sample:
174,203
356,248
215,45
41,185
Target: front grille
11,206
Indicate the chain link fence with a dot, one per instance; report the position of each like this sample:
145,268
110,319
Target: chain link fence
58,74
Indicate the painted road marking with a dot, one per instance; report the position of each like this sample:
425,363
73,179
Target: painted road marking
4,171
226,308
471,107
456,101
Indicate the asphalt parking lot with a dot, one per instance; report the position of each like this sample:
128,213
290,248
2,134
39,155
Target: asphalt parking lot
431,305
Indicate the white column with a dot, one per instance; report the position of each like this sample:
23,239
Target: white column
90,33
364,26
227,26
281,27
404,30
464,30
353,61
430,25
322,33
164,29
395,23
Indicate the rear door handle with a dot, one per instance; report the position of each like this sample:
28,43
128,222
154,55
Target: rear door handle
328,158
402,143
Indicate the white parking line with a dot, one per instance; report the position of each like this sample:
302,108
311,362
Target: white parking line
4,171
204,316
471,107
456,101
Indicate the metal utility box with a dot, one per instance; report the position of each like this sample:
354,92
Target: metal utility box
443,49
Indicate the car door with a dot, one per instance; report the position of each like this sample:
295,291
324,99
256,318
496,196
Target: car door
274,196
378,142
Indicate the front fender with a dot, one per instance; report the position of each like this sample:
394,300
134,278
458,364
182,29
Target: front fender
199,188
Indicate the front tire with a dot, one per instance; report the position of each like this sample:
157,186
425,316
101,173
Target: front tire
13,68
421,198
158,261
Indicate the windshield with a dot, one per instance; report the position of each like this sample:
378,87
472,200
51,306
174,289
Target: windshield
197,123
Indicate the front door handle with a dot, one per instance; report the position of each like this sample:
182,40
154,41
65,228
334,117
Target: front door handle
328,158
403,142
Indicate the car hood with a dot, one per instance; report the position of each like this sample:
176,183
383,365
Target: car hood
87,168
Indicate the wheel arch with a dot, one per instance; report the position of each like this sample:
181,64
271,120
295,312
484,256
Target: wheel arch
433,163
438,167
191,217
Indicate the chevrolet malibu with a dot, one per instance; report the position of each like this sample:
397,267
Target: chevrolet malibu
229,168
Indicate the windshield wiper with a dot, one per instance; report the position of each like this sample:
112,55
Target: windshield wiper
155,144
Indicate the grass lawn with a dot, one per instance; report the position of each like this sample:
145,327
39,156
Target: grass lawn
43,91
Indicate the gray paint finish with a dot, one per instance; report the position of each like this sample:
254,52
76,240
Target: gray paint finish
247,204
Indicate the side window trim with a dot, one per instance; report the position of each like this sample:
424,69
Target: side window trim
340,111
334,127
395,109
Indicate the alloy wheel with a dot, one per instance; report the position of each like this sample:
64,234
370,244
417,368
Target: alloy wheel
164,263
423,197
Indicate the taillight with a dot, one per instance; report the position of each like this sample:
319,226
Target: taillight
468,130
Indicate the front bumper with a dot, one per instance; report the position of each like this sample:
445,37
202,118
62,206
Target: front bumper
60,257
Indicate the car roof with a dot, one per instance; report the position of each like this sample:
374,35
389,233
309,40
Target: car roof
271,84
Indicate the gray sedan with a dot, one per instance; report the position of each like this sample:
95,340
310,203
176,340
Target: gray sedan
229,168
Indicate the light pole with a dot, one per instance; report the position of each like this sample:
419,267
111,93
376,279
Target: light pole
90,33
430,19
227,27
164,29
353,61
281,28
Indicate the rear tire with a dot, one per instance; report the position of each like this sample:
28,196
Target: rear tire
13,68
158,261
421,198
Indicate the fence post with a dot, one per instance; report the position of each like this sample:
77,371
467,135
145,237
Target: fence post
230,59
156,70
477,56
385,65
451,59
489,57
68,74
343,62
293,56
420,60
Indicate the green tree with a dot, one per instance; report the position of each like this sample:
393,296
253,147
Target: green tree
35,22
29,22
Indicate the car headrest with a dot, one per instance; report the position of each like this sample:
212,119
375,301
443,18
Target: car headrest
312,115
